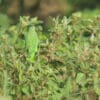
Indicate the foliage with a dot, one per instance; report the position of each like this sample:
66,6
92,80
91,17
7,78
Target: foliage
66,63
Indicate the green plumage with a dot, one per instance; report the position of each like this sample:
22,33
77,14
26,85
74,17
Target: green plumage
32,41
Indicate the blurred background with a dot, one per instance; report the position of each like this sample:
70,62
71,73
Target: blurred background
44,8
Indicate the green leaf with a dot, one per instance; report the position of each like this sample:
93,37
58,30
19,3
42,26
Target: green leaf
67,88
4,20
25,90
32,41
97,84
81,79
5,83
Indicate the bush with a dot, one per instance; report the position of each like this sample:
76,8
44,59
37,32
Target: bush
63,65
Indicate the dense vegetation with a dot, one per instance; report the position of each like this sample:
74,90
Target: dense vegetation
62,63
